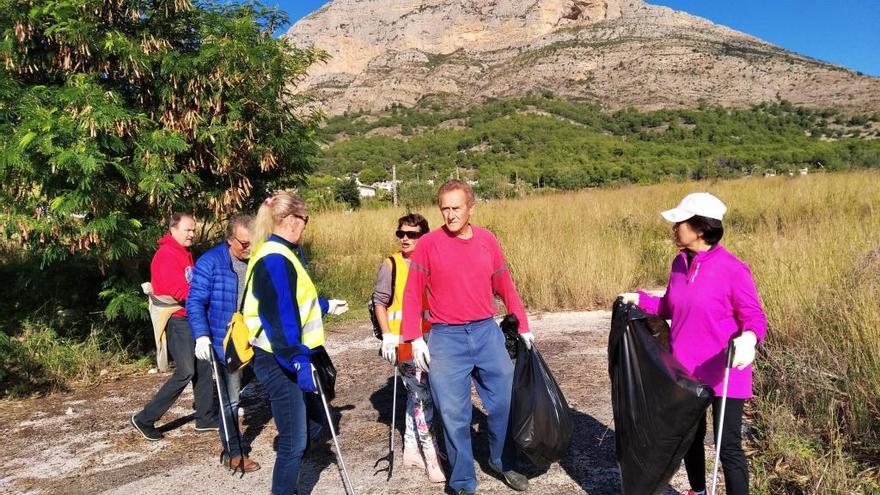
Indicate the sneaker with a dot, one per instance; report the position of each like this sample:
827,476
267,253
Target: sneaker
148,431
465,492
432,466
512,479
412,457
212,426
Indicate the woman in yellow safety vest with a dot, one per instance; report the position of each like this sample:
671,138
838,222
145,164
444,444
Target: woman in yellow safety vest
388,303
283,314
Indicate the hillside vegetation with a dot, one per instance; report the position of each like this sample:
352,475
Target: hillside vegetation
813,244
516,146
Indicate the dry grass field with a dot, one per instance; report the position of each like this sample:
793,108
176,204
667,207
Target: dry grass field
813,244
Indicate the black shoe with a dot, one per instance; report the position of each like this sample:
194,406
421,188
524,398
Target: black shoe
512,479
316,441
213,426
148,431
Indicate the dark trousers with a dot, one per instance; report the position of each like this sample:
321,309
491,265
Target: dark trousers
733,459
186,369
289,412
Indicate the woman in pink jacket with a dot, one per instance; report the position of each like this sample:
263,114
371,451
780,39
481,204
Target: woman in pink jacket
711,299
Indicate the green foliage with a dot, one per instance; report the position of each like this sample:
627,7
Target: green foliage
543,142
346,191
115,113
39,360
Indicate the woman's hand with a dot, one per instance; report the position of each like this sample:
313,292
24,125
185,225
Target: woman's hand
336,307
629,298
389,347
744,349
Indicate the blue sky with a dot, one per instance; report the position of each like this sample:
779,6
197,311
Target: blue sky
843,32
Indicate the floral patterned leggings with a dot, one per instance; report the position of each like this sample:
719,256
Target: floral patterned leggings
419,409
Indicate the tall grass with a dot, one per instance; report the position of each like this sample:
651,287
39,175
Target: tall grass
814,247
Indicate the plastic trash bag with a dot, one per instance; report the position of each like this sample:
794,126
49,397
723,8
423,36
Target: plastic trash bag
325,371
657,403
540,420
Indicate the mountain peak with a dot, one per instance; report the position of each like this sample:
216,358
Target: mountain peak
616,53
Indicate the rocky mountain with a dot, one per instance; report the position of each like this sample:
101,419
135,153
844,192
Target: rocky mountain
616,53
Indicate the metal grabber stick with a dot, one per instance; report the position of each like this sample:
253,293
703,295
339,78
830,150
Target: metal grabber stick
346,481
390,457
727,365
222,412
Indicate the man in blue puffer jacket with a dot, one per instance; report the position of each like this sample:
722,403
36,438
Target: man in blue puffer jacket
216,290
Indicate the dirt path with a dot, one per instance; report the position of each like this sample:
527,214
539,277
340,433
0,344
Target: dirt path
82,443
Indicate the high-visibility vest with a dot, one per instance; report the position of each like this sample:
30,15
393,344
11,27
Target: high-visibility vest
306,300
400,269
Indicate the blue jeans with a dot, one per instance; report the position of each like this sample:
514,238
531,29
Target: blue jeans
230,388
289,411
459,352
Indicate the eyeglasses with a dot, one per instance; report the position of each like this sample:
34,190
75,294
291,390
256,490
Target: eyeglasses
243,244
408,233
304,218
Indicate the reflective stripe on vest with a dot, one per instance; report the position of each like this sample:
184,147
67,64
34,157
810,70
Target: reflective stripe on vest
395,309
306,301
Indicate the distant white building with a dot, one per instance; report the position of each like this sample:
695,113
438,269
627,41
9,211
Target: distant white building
366,191
387,185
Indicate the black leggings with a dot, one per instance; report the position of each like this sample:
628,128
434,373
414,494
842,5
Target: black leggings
733,459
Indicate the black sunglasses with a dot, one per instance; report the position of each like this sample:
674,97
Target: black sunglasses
407,233
304,218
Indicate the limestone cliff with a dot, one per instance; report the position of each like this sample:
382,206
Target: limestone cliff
617,53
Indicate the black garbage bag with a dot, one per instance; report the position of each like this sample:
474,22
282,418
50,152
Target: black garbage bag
510,327
657,403
540,420
326,371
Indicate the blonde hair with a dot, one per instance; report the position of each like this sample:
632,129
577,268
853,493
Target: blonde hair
273,210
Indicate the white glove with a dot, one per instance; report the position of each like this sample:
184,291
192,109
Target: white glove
629,298
203,348
744,349
337,307
527,338
389,347
420,354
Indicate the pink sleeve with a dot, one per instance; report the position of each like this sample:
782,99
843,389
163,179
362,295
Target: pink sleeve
414,292
653,305
746,303
502,284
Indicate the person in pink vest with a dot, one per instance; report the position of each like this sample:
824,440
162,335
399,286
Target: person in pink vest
711,298
462,268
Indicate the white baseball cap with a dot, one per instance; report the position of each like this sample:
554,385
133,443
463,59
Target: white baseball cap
702,204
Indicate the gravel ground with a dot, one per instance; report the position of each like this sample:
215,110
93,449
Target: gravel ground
82,443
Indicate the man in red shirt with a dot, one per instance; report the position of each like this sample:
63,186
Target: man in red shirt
462,267
170,274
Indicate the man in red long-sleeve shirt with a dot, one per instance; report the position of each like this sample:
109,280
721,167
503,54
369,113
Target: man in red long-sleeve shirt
170,274
462,267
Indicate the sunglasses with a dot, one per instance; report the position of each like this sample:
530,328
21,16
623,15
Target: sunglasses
304,218
243,244
407,233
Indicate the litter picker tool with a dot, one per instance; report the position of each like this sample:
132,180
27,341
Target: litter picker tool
346,481
727,365
390,457
223,414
